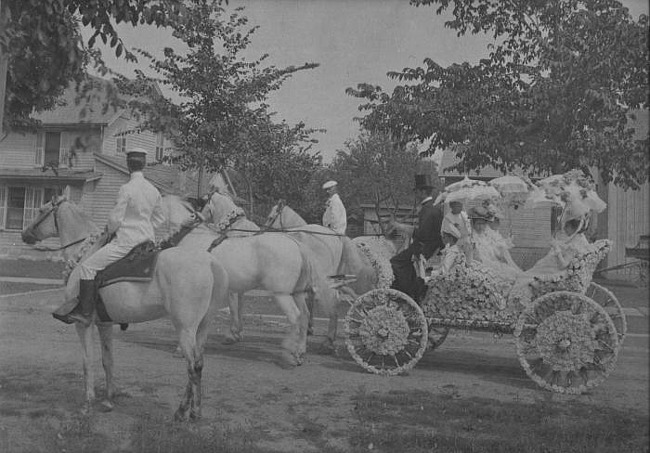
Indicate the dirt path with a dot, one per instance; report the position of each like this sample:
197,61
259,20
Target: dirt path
245,386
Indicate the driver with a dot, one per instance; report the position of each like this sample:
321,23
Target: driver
137,212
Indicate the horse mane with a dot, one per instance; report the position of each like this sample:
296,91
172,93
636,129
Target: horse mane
81,218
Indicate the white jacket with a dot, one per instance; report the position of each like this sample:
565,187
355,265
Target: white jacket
137,212
335,216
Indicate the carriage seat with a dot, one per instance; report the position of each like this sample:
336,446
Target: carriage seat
578,274
138,265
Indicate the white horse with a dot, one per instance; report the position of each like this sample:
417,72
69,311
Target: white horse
187,286
231,221
334,255
271,261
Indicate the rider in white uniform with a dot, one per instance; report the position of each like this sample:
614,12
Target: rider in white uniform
137,212
335,216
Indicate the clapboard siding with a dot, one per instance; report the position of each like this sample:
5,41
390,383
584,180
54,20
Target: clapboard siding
628,218
17,150
128,127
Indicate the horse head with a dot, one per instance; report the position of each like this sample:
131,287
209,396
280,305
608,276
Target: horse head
45,225
60,217
282,216
179,212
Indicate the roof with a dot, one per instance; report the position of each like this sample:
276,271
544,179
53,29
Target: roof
88,109
61,175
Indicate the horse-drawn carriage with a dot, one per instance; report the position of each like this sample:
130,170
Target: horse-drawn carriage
567,335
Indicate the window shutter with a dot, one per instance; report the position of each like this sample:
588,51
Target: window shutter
39,152
3,204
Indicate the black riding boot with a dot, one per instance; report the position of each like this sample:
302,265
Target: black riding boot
83,311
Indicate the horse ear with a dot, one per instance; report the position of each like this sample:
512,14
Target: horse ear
66,193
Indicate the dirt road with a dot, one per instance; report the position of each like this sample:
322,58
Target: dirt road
245,386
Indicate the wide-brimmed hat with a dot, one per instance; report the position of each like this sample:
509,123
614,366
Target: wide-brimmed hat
329,184
480,213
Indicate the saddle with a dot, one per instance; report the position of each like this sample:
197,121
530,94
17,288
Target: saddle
137,266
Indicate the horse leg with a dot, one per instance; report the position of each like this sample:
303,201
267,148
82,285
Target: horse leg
303,322
310,306
106,341
289,307
86,337
236,307
187,343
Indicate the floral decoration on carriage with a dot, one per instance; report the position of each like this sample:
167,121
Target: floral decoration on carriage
568,329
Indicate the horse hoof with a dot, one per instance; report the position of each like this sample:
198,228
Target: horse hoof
310,331
194,416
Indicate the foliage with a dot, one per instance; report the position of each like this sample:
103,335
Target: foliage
45,51
375,169
561,80
221,118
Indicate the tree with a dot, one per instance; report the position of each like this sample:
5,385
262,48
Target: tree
556,92
41,46
374,169
221,118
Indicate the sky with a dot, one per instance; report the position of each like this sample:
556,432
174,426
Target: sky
354,41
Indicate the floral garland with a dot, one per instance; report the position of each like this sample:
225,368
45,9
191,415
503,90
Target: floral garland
469,292
227,220
379,258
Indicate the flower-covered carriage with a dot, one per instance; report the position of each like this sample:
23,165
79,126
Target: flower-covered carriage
568,332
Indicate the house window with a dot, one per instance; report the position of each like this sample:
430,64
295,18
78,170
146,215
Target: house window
51,149
19,205
121,144
159,147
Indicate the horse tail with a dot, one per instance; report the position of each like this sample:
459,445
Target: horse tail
306,280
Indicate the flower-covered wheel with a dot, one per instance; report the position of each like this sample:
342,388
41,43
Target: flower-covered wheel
386,331
606,299
566,342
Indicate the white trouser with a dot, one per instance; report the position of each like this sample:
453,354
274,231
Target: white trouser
106,255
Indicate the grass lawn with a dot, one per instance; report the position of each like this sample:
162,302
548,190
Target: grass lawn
31,268
420,421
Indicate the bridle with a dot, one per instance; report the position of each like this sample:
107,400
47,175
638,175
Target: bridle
54,210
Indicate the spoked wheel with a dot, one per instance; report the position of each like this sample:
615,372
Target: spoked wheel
387,331
606,299
437,336
566,342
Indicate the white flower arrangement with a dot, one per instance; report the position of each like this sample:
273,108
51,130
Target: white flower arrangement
378,256
227,220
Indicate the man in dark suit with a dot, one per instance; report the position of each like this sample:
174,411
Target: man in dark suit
427,241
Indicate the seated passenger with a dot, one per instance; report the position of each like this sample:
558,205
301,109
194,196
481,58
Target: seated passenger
490,248
452,255
562,252
458,218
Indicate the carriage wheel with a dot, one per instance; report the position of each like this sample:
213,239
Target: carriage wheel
437,336
606,299
566,342
387,331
